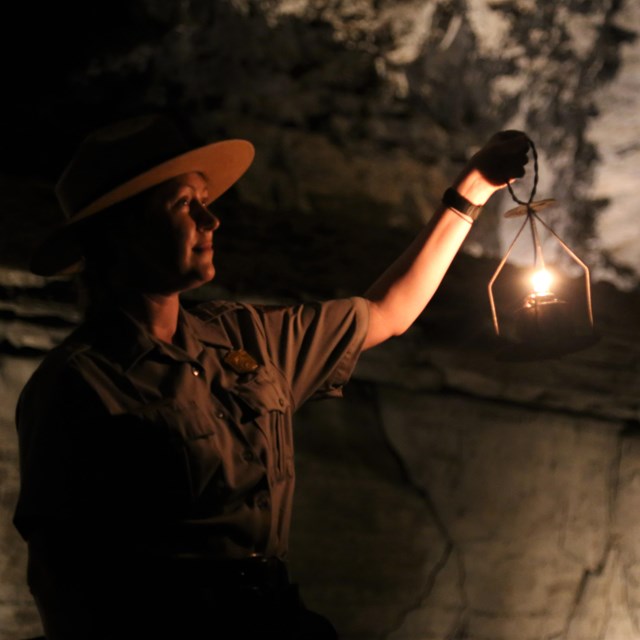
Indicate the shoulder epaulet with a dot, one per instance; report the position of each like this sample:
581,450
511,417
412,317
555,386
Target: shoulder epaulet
270,308
66,351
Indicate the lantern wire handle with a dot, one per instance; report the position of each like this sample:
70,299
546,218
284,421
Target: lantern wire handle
528,202
537,248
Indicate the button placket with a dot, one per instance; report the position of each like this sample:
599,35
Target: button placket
263,501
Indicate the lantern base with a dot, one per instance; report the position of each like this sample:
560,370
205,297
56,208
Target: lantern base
543,318
545,328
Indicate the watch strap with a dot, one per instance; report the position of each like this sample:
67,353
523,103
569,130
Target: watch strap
453,200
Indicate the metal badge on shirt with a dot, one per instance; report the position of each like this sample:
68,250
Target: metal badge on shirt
240,361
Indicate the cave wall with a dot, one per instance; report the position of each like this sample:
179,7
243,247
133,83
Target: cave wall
450,494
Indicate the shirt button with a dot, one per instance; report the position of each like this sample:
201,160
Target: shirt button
219,414
247,455
263,502
195,370
281,401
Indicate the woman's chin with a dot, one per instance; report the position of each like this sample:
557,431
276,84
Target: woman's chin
201,276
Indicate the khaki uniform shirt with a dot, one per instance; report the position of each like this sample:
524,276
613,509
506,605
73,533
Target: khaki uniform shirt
184,448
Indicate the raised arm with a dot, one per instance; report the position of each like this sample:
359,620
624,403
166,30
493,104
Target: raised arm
398,297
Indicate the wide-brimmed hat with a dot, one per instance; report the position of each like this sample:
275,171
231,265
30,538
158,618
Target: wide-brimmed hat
123,160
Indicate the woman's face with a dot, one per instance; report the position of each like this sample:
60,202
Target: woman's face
168,244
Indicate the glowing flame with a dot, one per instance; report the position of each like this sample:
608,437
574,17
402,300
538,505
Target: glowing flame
541,281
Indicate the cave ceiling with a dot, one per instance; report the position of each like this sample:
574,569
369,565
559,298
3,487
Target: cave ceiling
361,113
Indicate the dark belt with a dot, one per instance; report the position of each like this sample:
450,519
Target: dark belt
202,598
259,573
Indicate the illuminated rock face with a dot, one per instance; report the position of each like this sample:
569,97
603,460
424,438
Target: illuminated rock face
615,133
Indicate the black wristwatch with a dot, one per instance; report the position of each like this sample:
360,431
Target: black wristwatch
452,199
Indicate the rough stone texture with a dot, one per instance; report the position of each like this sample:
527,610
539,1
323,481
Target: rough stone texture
365,544
615,134
533,509
524,496
18,615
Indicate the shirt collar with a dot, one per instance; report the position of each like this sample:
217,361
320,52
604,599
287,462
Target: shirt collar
124,339
207,331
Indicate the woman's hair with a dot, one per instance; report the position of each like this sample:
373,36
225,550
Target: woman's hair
101,238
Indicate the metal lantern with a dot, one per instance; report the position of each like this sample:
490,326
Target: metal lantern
544,325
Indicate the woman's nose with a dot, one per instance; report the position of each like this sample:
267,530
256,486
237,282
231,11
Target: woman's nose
204,218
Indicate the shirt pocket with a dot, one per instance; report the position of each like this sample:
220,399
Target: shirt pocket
263,400
260,393
175,443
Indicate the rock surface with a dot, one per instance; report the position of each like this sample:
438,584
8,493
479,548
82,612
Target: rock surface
615,133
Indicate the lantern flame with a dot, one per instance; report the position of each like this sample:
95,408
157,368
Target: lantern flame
541,281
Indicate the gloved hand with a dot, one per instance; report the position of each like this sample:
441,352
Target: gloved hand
500,161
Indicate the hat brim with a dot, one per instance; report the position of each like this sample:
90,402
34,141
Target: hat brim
222,164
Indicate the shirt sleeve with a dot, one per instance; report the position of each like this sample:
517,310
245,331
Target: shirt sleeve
316,345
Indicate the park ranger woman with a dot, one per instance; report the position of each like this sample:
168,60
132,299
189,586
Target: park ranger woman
156,443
